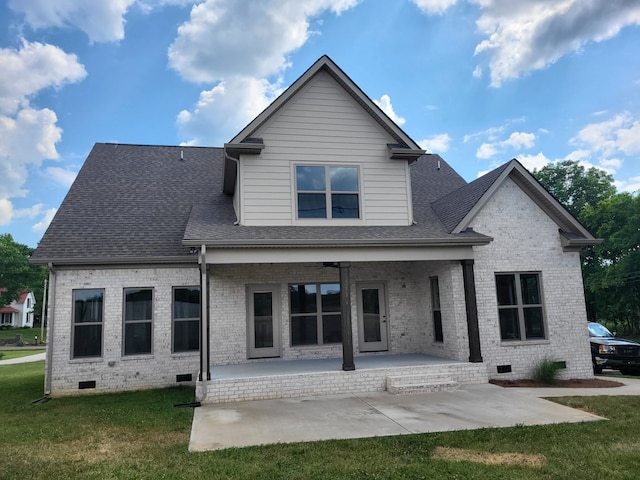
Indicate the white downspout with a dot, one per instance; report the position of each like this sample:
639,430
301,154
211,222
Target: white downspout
237,162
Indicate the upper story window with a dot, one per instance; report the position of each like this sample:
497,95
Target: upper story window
520,307
327,192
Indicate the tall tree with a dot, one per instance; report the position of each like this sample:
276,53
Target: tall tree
575,186
612,270
16,274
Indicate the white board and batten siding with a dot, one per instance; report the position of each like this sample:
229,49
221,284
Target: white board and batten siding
323,125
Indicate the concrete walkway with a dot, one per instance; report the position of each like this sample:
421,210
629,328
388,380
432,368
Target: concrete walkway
242,424
29,358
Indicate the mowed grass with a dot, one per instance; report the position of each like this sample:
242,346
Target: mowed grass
28,334
140,435
9,354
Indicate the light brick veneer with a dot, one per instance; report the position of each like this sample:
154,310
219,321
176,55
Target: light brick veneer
114,371
526,239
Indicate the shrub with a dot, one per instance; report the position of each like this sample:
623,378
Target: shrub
546,371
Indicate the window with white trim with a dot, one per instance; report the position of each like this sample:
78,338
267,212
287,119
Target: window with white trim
315,313
520,307
88,310
138,320
323,191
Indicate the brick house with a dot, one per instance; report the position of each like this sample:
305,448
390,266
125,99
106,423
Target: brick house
319,251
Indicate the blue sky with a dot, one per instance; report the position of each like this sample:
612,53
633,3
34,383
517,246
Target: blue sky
477,81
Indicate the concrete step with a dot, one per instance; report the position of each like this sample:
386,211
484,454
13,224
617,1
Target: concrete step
420,384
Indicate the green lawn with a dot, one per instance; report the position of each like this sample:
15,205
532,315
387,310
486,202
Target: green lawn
28,334
9,354
140,435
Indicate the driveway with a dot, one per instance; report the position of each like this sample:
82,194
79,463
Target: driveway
220,426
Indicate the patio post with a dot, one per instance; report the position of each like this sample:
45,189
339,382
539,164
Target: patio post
205,372
345,313
468,278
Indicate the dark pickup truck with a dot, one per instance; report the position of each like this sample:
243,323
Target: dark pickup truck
607,351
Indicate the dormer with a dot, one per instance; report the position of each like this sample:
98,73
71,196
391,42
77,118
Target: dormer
322,154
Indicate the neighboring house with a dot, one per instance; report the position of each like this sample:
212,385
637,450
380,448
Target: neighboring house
320,231
19,313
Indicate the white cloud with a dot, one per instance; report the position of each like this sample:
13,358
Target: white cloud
101,20
525,36
520,140
385,105
31,212
620,134
43,224
533,162
33,67
61,175
436,143
227,107
516,141
239,45
6,211
477,72
25,141
631,185
434,7
243,37
486,150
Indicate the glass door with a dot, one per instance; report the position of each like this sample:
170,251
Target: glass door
372,318
263,323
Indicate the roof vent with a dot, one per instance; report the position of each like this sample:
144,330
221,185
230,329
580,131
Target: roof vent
182,155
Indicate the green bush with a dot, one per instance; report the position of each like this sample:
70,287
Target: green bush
546,371
1,355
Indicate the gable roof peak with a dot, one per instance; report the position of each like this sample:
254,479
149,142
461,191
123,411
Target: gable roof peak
326,64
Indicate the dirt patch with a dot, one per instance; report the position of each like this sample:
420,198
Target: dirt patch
487,458
571,383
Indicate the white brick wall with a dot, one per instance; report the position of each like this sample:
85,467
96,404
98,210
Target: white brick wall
526,239
114,371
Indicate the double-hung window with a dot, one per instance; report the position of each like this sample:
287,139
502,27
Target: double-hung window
520,307
327,192
88,309
315,313
186,319
138,319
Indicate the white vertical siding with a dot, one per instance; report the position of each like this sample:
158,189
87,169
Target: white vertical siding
322,124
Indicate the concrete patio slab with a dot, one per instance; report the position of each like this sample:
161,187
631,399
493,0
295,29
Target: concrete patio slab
219,426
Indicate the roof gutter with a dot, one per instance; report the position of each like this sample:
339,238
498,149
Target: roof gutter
103,261
304,243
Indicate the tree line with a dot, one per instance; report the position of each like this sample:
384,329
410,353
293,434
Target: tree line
610,270
17,275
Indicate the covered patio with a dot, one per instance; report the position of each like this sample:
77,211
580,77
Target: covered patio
271,379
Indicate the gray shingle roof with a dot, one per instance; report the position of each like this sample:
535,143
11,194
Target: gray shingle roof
454,206
133,203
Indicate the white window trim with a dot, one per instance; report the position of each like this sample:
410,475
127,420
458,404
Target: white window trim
174,320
